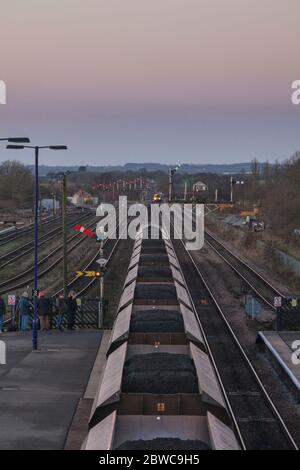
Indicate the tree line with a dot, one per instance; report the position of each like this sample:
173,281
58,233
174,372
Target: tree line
16,185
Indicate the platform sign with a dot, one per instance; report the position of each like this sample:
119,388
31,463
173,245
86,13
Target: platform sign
277,302
294,303
101,261
101,235
11,300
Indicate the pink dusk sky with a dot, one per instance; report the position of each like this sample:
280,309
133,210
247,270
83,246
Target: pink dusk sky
194,81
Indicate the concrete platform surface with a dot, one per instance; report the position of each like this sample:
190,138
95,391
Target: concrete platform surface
281,346
80,425
39,391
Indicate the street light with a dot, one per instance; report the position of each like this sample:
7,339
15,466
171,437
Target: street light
36,204
232,183
16,140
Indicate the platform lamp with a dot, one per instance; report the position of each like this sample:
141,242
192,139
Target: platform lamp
36,228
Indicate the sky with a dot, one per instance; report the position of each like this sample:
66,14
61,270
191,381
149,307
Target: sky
191,81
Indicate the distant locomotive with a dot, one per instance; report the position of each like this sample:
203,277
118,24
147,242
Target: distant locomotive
157,197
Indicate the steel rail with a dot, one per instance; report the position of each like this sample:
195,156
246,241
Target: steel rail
88,266
42,261
43,239
244,355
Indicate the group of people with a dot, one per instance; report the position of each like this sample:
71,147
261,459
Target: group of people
51,312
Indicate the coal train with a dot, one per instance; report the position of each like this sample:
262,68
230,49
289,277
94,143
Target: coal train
158,389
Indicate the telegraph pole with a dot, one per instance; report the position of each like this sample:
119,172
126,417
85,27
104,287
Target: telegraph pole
185,191
53,205
231,188
64,233
170,184
216,195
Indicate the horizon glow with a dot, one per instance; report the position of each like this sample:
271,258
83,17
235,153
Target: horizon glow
197,81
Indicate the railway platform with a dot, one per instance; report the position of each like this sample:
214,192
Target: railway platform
281,348
40,391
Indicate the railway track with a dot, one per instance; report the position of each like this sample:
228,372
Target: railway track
29,230
8,238
28,247
259,422
82,284
255,281
9,285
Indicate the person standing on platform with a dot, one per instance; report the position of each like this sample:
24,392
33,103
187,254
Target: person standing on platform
61,310
44,311
72,309
24,309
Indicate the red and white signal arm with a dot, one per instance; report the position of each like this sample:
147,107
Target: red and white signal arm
11,300
86,231
277,301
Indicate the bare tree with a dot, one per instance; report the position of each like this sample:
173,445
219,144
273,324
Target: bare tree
255,168
16,183
266,171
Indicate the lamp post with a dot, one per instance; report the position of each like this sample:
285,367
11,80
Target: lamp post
232,183
36,229
53,205
16,140
172,171
64,234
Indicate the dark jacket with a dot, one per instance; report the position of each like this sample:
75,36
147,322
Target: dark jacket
24,306
72,305
61,306
2,307
44,306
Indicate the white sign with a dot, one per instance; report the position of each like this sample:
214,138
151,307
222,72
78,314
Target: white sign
101,261
277,301
101,234
11,300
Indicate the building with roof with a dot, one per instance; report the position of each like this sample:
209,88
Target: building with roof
82,198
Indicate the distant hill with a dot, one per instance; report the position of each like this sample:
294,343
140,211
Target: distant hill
230,168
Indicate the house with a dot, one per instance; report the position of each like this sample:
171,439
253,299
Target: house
82,198
47,204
